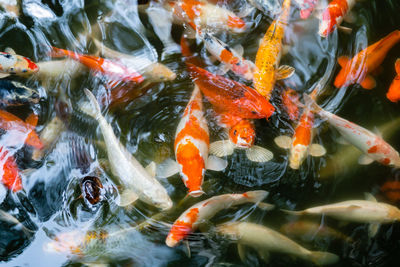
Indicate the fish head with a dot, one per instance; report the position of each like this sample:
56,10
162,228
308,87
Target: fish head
7,62
161,73
297,155
243,134
327,23
229,230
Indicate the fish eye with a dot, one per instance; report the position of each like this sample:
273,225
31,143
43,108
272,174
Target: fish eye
24,70
235,132
254,112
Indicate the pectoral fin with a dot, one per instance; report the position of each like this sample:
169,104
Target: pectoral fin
373,229
221,148
151,169
216,164
343,60
284,72
264,254
350,17
370,197
346,30
368,83
259,154
342,141
10,51
126,198
364,160
188,253
242,252
239,49
283,141
316,150
265,206
4,75
167,168
32,119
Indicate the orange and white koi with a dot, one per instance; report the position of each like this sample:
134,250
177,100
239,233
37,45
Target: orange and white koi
203,14
290,100
300,144
269,55
9,121
117,71
372,145
191,148
9,171
306,7
393,93
11,63
358,69
189,220
333,15
232,59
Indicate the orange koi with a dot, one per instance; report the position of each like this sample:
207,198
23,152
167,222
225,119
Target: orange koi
189,220
10,173
290,99
116,70
269,55
9,121
393,93
333,15
358,69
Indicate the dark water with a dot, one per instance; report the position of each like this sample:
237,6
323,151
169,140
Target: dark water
50,203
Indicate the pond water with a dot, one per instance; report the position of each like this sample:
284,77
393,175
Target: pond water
51,207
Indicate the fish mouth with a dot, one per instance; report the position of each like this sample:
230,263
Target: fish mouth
196,193
170,242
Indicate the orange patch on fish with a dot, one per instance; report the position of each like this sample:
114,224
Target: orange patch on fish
10,176
193,129
391,189
373,149
303,132
181,229
236,22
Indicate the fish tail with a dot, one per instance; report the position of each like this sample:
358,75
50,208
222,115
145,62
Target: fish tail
311,104
96,111
58,52
323,258
256,196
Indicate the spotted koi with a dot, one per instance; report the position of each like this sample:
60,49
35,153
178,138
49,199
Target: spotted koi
333,15
10,63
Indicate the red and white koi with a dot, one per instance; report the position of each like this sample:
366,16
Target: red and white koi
372,145
290,100
306,7
393,93
191,148
203,14
9,171
11,63
189,220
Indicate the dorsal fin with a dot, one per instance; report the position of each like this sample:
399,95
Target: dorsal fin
343,61
32,119
10,51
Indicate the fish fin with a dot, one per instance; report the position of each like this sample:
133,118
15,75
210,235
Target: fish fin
127,197
323,258
245,11
239,49
259,154
373,229
96,112
4,75
368,83
242,252
311,104
350,17
187,246
397,66
285,49
216,164
343,60
213,59
342,141
365,160
293,212
283,141
32,119
167,168
345,30
10,51
377,132
256,195
190,33
316,150
264,254
284,72
265,206
370,197
223,69
151,169
221,148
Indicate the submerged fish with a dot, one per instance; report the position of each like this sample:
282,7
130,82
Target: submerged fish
137,182
372,145
391,190
11,63
393,93
13,93
269,55
290,100
92,188
306,7
9,122
114,70
191,148
5,216
265,240
201,212
358,69
55,68
10,173
11,6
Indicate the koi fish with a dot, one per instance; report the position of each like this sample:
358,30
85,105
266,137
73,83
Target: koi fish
333,15
203,14
199,213
306,7
290,100
7,217
269,55
231,58
138,183
308,230
11,63
92,189
13,93
10,172
361,211
191,148
393,93
11,6
265,240
115,70
9,121
358,69
242,135
152,71
55,68
372,145
228,96
271,7
391,190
